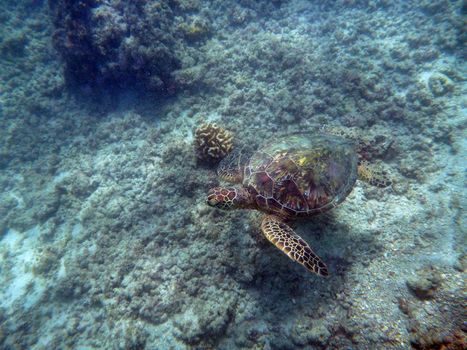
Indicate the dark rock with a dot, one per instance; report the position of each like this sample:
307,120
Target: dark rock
117,44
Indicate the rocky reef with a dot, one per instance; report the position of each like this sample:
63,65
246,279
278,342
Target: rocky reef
115,44
105,238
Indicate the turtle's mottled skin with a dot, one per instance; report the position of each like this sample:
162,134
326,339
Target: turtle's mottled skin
295,176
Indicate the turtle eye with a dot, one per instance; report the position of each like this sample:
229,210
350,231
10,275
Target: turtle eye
211,200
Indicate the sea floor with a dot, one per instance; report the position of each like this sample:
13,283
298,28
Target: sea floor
105,238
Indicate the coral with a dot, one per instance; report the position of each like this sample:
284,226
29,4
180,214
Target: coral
14,46
195,30
212,142
425,283
440,84
208,319
375,175
73,39
315,333
118,44
435,341
46,261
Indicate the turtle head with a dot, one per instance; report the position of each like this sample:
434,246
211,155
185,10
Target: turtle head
229,198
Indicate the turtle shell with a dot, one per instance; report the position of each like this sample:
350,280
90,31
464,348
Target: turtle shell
301,175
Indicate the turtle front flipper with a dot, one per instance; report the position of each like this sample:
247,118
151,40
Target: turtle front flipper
227,175
284,238
373,174
230,169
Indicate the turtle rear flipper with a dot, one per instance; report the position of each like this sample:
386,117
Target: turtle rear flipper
284,238
373,174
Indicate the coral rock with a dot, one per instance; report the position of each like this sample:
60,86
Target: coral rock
425,283
212,143
440,84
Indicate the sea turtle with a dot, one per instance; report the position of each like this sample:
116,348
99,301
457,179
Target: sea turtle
294,176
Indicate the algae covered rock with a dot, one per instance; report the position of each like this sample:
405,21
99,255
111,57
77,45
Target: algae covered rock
316,334
206,320
118,43
440,84
425,283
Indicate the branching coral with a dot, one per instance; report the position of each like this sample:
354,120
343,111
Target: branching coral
212,142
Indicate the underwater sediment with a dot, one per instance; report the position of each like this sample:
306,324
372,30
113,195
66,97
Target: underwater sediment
105,237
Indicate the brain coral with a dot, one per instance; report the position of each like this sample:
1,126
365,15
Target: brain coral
212,143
